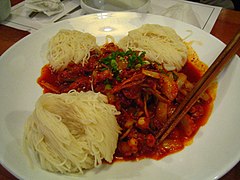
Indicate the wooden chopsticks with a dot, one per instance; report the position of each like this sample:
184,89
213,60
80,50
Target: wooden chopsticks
217,66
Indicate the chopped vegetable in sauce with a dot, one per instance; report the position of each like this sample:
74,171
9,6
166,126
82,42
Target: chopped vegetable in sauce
144,92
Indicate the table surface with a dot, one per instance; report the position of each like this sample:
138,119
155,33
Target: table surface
226,26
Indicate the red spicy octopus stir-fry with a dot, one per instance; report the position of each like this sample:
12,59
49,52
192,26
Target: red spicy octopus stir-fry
144,92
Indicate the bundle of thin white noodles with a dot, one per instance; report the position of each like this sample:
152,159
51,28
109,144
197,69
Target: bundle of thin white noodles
161,44
72,131
70,46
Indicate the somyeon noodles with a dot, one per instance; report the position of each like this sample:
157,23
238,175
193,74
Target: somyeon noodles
72,131
70,45
161,44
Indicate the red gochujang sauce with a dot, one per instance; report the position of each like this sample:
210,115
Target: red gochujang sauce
177,139
138,143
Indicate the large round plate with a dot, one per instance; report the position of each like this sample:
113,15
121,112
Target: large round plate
215,149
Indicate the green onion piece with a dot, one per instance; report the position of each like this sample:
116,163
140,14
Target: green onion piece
114,65
108,86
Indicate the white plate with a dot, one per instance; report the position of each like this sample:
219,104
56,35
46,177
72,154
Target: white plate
215,149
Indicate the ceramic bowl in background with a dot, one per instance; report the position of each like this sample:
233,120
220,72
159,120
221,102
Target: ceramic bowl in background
96,6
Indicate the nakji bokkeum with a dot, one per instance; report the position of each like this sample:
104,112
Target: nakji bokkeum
107,103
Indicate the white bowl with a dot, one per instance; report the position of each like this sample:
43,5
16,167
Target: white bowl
96,6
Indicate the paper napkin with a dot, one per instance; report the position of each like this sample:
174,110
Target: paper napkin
47,7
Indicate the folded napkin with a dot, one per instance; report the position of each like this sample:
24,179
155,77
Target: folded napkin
47,7
182,12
